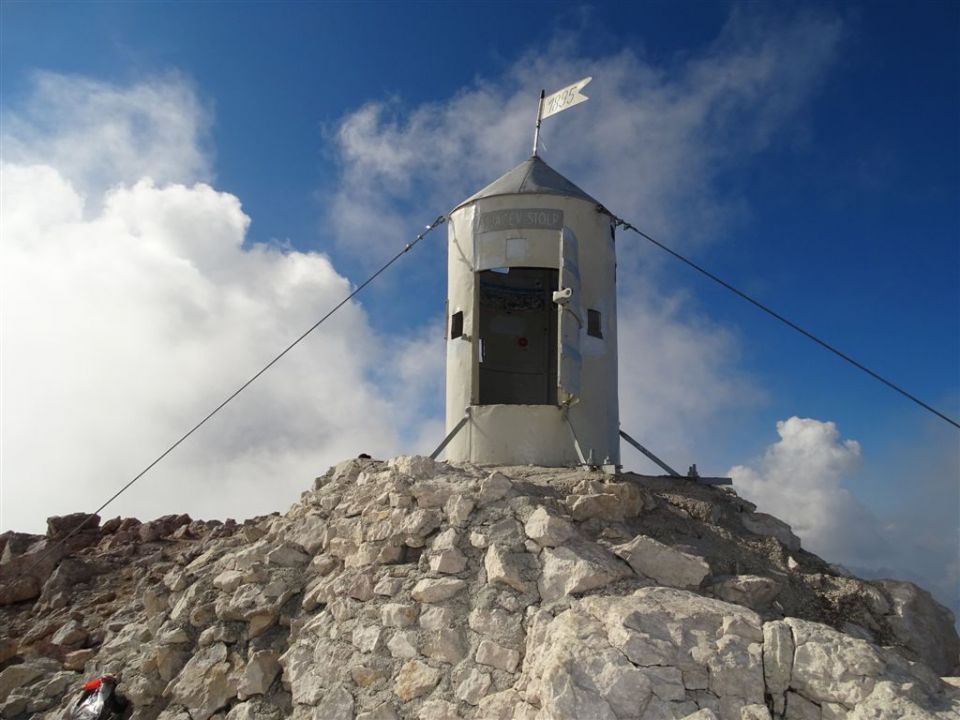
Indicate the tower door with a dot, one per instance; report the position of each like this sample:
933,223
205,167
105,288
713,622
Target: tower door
569,319
517,337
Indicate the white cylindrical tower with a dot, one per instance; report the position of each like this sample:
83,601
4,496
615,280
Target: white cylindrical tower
532,324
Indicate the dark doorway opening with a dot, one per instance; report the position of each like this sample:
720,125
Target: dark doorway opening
518,336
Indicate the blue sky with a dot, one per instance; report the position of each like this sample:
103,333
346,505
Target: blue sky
808,153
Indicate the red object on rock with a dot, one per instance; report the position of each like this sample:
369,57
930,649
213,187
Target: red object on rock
93,685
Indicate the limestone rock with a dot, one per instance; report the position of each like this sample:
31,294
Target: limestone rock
754,591
494,487
577,567
256,709
337,704
161,527
364,676
415,679
398,615
59,526
260,672
888,701
431,590
169,661
220,632
175,712
403,645
169,634
666,683
489,653
799,708
436,618
448,561
446,540
704,714
367,639
230,580
577,674
763,524
474,687
288,555
458,509
546,529
445,644
251,600
632,499
755,712
206,683
178,580
498,624
665,564
438,710
384,711
829,666
77,659
508,533
499,706
311,667
70,634
923,626
155,601
661,627
508,568
414,466
420,523
17,676
777,661
388,586
605,506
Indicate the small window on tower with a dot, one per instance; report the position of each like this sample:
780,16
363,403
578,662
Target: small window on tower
456,325
593,323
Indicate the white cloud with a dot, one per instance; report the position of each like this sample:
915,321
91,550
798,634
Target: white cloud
801,479
129,314
98,135
677,371
650,144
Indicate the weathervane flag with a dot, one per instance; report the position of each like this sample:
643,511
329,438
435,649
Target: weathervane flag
563,99
558,102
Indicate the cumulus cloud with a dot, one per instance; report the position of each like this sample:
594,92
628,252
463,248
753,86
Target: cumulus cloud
803,477
129,313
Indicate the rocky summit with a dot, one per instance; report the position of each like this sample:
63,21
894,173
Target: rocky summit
434,591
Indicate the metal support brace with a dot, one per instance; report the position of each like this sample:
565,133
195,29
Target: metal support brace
658,461
446,441
573,435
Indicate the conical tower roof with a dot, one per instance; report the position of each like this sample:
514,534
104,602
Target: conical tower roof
532,176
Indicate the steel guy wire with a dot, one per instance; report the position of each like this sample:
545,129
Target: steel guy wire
788,323
436,223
